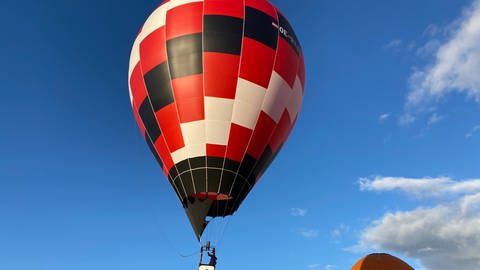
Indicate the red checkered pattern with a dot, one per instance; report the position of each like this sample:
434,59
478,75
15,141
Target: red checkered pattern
233,8
194,98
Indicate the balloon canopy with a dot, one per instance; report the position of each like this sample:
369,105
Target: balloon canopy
216,87
381,261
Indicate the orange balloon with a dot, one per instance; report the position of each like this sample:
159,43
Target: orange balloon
381,261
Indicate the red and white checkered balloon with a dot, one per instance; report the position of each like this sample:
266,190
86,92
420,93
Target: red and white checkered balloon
216,87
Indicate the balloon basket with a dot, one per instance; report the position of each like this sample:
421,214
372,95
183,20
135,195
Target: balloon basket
206,267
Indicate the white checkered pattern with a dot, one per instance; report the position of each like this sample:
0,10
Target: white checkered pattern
220,113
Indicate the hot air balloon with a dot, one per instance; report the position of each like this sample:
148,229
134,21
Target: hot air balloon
216,87
381,261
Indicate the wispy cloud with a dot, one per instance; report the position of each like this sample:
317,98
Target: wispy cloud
298,212
421,187
338,233
395,43
383,117
308,233
455,65
434,119
313,266
443,237
428,48
432,30
406,119
452,57
472,132
330,267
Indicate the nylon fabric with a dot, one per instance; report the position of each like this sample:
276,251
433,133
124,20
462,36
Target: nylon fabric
216,87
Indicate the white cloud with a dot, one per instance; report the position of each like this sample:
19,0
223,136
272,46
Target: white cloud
470,204
406,119
446,236
429,48
474,130
315,266
441,237
298,212
456,63
308,233
384,117
421,187
338,233
432,30
393,44
434,118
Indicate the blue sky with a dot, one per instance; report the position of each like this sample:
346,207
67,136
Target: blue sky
384,156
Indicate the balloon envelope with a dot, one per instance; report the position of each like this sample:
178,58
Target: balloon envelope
216,87
381,261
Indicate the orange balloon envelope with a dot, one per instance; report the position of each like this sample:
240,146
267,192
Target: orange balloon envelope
216,87
381,261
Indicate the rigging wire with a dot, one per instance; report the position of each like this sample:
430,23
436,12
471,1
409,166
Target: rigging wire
173,247
189,255
224,229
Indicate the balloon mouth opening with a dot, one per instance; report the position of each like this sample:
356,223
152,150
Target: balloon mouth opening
211,196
